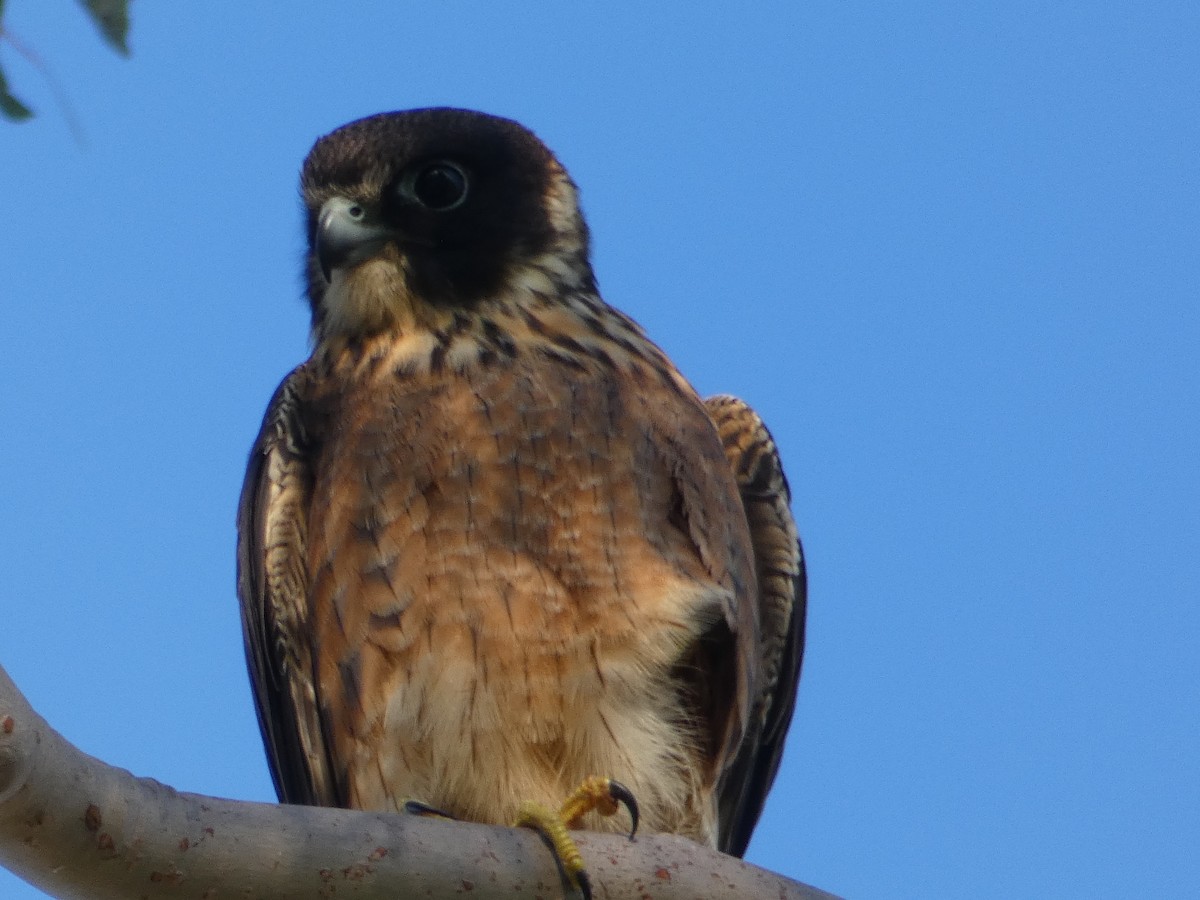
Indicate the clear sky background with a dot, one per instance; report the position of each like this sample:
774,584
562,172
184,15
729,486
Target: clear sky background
950,251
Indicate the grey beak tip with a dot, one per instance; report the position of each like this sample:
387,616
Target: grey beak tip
344,235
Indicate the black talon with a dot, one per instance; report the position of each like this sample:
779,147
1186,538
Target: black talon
622,794
585,885
417,808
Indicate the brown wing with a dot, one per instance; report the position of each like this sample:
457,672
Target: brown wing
273,590
779,562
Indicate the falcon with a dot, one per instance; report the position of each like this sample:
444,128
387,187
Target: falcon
492,546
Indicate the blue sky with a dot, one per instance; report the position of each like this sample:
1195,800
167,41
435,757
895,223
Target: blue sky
948,250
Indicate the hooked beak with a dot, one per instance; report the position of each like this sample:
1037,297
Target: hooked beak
346,234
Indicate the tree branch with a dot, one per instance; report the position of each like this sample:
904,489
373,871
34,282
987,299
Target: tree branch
76,827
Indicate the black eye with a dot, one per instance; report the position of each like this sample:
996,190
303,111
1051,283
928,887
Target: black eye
440,186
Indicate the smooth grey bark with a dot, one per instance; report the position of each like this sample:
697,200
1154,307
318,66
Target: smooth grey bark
77,827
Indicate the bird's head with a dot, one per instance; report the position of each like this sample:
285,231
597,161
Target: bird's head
415,215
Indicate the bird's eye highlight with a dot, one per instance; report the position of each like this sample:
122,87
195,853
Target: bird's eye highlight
440,186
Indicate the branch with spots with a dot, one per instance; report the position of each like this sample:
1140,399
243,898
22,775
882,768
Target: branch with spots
77,827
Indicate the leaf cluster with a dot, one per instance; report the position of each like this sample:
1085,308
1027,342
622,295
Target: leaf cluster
111,17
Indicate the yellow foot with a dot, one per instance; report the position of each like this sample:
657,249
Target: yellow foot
599,794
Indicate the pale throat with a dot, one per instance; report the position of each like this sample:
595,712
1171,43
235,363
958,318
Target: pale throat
374,296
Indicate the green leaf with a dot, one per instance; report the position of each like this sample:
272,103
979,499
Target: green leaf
13,109
10,107
112,18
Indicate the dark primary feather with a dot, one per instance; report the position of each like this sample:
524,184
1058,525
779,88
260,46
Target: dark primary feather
779,562
272,588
